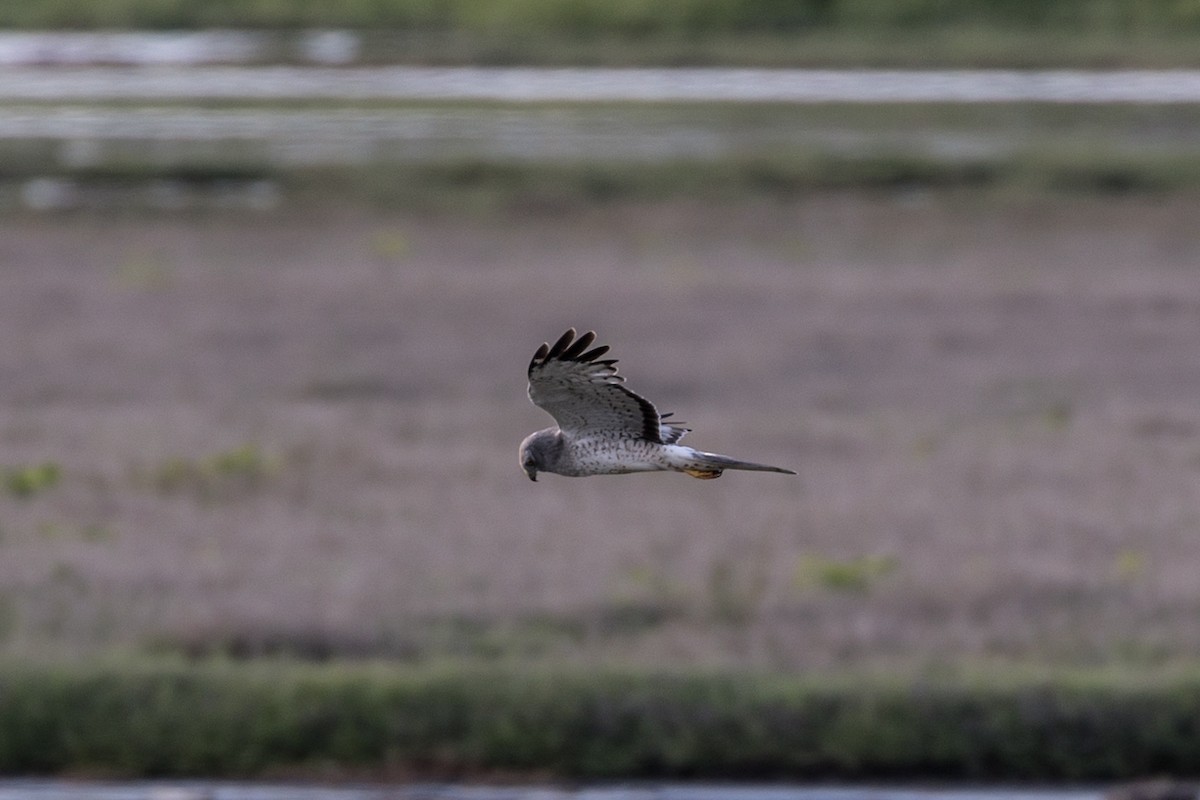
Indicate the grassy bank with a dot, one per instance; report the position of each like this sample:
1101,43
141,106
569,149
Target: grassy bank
914,32
248,720
486,187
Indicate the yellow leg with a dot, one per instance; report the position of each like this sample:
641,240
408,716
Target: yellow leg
704,474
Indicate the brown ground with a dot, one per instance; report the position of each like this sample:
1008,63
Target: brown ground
992,405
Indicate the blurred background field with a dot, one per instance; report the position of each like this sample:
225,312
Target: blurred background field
293,432
262,384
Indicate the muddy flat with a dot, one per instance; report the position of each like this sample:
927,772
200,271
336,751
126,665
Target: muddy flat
296,431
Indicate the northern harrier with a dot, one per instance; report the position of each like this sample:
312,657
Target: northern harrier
604,428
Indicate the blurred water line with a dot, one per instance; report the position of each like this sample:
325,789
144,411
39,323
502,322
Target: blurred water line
212,790
217,46
91,135
532,85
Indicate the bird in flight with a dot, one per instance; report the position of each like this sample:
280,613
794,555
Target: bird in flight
604,428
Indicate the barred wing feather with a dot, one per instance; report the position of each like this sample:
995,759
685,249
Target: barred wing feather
587,397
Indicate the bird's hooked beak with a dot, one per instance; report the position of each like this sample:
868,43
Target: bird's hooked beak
529,460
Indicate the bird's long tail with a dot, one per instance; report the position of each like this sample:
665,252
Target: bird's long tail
699,464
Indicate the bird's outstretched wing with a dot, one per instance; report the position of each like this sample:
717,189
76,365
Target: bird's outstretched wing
586,396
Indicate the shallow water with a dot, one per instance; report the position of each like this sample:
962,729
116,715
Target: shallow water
526,84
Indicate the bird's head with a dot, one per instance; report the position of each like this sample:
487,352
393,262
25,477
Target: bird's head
538,452
529,457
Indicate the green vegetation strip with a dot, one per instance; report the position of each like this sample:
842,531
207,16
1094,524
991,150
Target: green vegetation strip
480,186
628,17
912,32
229,719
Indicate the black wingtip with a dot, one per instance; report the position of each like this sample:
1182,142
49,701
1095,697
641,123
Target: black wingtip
591,355
577,347
570,348
561,345
539,357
